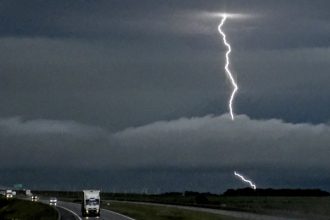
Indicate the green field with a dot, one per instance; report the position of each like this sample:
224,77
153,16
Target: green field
313,207
301,207
272,205
23,210
150,212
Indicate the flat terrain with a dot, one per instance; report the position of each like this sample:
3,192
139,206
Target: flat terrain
313,207
296,207
151,212
21,210
75,210
300,207
200,212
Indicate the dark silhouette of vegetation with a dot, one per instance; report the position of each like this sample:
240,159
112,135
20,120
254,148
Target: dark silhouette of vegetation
276,192
201,199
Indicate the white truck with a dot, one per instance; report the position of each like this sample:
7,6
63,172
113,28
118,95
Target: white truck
28,192
91,203
10,193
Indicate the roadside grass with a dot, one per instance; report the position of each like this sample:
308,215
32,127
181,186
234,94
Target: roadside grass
300,207
150,212
271,205
23,210
282,206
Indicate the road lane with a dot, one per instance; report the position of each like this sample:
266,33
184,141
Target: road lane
105,214
66,214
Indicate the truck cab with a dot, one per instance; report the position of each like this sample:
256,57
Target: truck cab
9,193
34,198
91,203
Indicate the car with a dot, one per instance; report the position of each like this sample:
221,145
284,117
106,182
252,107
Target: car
8,196
34,198
53,201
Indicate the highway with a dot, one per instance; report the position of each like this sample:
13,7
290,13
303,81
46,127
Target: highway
65,214
72,211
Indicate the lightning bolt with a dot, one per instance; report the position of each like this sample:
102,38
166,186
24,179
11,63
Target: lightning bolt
228,72
252,185
234,86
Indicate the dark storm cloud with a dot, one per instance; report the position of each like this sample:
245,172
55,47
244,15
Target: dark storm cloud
211,144
166,56
17,126
280,24
82,81
79,73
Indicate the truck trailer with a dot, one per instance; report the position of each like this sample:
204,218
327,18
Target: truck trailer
90,206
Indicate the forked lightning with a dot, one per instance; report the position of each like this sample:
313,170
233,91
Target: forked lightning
229,74
252,185
234,86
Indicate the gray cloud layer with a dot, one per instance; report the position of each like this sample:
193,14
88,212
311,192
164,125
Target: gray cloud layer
216,141
79,73
215,144
122,63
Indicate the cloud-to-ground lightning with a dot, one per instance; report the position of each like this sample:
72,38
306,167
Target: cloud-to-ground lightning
252,185
229,74
233,82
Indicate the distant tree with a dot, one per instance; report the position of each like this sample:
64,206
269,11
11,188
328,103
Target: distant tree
201,199
191,193
275,192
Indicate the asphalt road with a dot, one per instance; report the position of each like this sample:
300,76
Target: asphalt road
65,214
72,211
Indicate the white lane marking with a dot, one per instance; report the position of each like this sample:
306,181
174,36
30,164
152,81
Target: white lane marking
116,213
75,214
106,210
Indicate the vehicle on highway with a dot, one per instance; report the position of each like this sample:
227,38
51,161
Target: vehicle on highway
9,194
34,198
91,203
53,201
28,192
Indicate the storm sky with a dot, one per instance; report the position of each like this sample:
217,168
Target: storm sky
131,95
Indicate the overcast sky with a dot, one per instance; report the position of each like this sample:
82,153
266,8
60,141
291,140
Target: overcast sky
129,95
